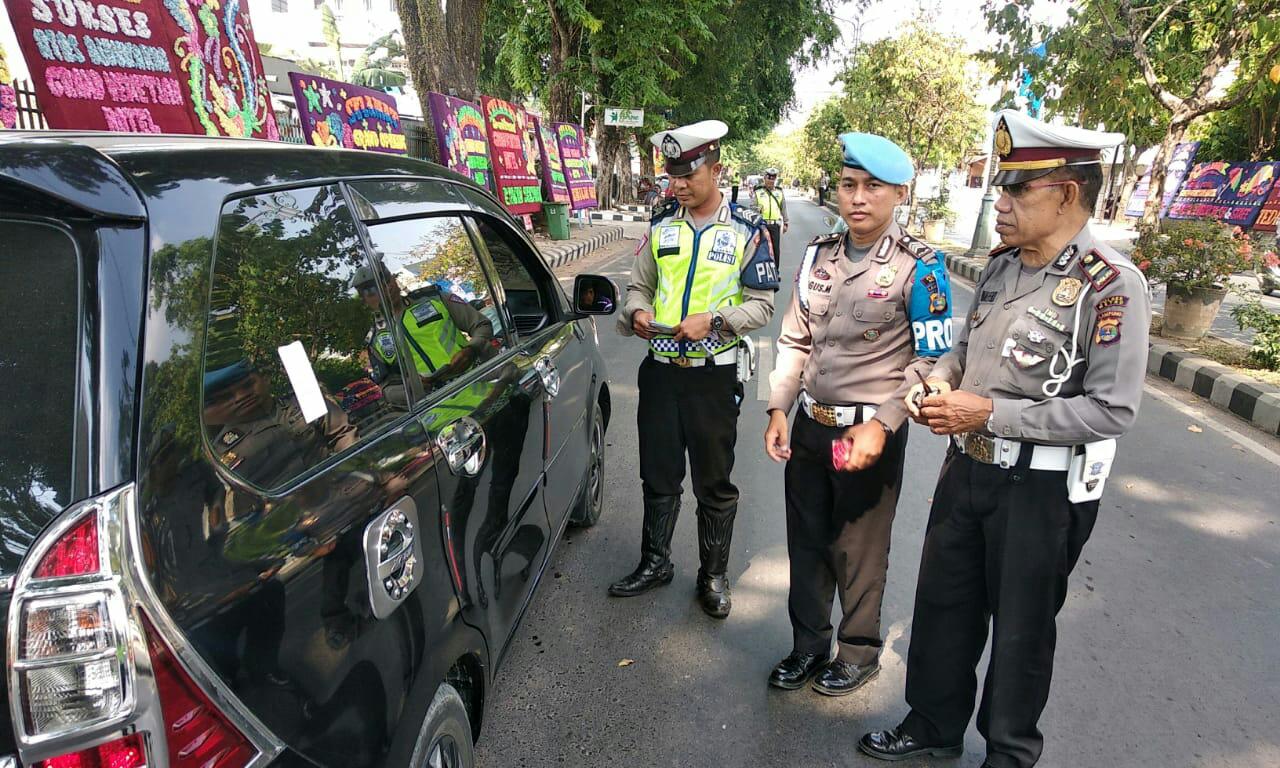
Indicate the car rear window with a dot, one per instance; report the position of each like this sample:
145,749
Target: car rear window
39,291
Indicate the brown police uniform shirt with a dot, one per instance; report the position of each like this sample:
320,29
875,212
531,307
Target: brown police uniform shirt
1020,329
855,343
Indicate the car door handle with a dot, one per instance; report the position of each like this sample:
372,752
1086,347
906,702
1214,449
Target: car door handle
463,444
550,376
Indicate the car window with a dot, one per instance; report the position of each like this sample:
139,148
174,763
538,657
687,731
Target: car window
39,289
527,301
290,365
439,297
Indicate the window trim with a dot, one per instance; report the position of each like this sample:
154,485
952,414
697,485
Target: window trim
544,278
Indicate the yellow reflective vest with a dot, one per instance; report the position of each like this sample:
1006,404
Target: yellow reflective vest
768,201
431,333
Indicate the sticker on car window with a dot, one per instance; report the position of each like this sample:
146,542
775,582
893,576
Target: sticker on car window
302,377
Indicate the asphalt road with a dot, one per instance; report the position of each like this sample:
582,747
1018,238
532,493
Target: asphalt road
1167,654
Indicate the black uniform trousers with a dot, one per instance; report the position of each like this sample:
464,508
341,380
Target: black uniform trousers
775,237
693,410
999,547
838,530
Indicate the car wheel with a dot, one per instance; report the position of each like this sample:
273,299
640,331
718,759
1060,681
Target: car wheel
587,511
445,738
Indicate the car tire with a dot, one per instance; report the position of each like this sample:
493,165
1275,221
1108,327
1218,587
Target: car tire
445,738
586,512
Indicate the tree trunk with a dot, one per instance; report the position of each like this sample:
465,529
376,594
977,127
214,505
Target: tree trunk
440,61
464,20
646,156
565,39
1151,214
608,146
626,178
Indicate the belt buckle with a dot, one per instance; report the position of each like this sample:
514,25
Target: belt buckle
980,448
681,361
824,415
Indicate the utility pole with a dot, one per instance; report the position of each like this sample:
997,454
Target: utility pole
980,245
582,113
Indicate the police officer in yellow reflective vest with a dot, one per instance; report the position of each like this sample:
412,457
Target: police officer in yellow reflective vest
772,204
703,277
445,333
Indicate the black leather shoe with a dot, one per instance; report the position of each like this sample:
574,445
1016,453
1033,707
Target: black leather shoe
713,594
897,744
796,670
842,678
650,574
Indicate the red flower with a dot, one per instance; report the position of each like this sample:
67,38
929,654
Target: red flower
1142,265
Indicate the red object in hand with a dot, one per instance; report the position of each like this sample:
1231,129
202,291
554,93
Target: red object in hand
839,454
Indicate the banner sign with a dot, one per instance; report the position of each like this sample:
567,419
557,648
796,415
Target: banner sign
150,66
1269,216
573,153
461,137
1175,172
512,145
555,186
336,114
628,118
1232,193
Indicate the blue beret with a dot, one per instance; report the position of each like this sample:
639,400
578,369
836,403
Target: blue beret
877,156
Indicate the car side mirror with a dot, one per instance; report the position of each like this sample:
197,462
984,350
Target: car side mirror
594,295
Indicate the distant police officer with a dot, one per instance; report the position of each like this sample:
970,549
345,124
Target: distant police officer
772,204
870,315
702,279
1047,374
446,335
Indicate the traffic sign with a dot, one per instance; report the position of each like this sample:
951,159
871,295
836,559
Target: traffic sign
626,118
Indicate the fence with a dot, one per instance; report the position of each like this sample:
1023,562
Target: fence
29,115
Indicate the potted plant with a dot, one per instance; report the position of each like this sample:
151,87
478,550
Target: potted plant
1194,259
938,214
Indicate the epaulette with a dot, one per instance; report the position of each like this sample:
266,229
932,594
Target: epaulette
918,248
826,239
1000,251
665,208
1097,270
746,216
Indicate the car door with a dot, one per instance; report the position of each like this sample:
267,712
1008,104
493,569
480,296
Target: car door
558,346
271,562
482,403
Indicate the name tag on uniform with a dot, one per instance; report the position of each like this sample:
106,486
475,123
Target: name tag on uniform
425,313
669,237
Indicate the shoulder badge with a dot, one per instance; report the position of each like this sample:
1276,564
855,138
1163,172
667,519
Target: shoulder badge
665,209
747,216
826,239
918,248
1097,270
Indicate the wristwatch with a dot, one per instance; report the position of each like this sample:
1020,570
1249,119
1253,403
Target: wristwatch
717,321
991,422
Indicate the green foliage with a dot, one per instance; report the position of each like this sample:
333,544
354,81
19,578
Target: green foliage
1265,350
375,69
939,208
1249,130
918,89
1194,253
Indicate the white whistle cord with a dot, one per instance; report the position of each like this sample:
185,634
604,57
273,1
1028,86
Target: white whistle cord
1066,355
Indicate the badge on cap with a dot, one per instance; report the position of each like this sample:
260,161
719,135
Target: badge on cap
1067,292
886,275
671,147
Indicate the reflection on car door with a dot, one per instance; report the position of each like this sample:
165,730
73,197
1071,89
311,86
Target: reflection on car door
559,348
483,405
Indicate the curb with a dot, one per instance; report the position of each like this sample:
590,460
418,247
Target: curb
616,216
1246,397
559,254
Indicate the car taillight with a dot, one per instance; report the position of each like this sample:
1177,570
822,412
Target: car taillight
75,553
129,752
82,622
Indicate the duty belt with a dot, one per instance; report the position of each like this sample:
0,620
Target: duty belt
1005,453
728,357
835,415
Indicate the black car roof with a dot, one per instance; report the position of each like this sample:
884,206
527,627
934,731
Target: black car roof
61,163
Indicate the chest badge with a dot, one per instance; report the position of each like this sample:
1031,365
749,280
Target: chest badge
1067,292
871,335
1024,359
877,293
1049,317
1035,337
821,274
886,275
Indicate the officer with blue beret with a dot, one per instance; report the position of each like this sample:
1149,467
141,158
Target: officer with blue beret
702,279
870,314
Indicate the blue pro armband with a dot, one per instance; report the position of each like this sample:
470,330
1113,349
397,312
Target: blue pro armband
931,308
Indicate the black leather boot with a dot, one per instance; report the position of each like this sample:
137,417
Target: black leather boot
655,569
715,531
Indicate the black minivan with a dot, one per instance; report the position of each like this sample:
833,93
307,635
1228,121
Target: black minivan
290,436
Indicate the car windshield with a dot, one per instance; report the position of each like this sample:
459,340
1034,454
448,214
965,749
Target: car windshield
39,291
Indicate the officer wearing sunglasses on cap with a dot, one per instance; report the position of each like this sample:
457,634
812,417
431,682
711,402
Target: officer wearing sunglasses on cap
1045,376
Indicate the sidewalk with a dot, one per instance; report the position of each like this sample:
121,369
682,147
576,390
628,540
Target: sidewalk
582,241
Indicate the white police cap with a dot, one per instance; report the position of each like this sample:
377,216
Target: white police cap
1028,148
685,149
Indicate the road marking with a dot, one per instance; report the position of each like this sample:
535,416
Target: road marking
764,368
